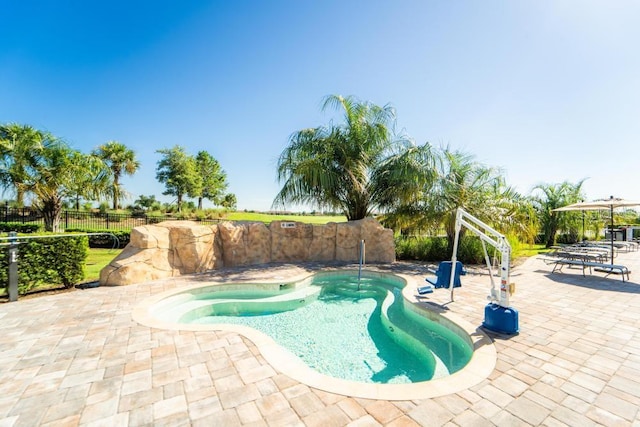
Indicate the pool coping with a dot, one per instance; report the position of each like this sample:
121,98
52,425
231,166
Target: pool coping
479,367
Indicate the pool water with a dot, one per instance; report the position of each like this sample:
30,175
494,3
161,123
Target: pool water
343,327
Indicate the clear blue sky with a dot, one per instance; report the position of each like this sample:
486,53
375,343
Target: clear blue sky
547,90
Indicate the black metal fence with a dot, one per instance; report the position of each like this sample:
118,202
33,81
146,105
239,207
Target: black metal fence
83,220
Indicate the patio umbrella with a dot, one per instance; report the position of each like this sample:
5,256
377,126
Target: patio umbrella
605,204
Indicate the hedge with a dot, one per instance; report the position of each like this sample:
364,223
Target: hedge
437,249
47,261
105,240
19,227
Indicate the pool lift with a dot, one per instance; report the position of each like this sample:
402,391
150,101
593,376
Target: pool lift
498,316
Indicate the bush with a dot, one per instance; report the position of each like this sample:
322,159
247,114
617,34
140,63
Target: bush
422,248
18,227
104,207
567,238
437,249
105,240
48,261
470,250
155,217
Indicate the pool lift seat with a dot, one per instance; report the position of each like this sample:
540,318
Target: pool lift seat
443,277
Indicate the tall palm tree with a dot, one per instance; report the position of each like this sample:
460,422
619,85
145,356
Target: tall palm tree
91,178
53,172
357,167
556,196
121,160
465,183
20,147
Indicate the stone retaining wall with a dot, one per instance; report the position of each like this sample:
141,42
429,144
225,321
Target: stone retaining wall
173,248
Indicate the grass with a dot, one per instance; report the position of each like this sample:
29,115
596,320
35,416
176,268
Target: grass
267,218
96,261
525,250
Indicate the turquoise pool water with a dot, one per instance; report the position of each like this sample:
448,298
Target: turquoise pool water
337,326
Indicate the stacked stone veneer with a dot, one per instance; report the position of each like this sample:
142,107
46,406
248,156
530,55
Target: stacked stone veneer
173,248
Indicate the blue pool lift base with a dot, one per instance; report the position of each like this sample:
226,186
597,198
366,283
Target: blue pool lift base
500,319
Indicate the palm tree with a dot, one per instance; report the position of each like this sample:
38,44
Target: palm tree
20,146
54,174
465,183
356,167
91,178
121,160
556,196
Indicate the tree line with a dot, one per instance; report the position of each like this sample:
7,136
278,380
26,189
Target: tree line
361,167
38,165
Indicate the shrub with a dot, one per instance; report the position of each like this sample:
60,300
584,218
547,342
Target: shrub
105,240
470,250
437,249
567,238
19,227
407,248
48,261
155,217
421,248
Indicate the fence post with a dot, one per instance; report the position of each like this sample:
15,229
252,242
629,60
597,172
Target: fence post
107,216
66,219
13,267
6,211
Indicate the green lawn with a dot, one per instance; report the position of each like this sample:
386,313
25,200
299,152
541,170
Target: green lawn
529,250
267,218
96,261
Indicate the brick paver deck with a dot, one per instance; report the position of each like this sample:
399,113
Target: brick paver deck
78,358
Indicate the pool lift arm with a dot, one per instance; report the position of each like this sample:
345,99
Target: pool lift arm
499,316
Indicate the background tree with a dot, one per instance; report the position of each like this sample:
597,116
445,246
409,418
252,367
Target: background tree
548,197
213,179
121,160
147,203
229,201
347,167
179,173
20,146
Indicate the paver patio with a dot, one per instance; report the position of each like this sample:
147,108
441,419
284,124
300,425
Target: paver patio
78,358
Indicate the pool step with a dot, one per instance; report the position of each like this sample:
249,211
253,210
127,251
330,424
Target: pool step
188,310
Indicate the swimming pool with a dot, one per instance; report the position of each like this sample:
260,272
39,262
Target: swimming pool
376,338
